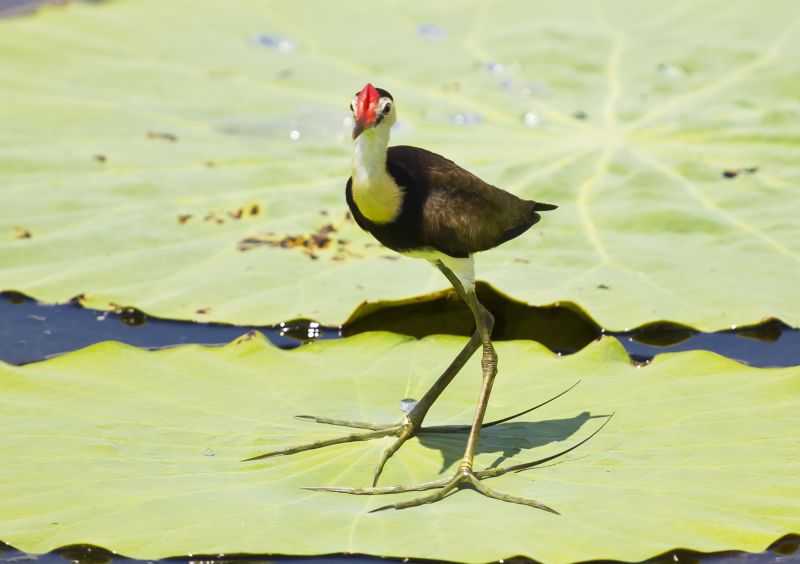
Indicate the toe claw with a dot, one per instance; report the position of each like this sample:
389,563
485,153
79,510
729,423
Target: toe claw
262,456
337,489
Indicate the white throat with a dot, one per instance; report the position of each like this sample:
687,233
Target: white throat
376,194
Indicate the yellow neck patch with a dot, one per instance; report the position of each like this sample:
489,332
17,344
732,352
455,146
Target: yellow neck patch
380,199
375,193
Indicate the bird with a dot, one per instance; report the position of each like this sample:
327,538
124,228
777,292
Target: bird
423,205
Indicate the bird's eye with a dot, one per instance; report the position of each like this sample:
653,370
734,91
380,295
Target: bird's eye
387,108
352,107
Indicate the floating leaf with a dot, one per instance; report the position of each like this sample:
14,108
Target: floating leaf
113,446
182,155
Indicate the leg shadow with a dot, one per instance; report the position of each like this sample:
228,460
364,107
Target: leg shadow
506,439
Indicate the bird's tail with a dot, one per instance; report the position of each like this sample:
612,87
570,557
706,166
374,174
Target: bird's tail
539,206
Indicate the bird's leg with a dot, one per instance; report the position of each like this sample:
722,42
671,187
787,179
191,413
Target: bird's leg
464,477
407,428
412,422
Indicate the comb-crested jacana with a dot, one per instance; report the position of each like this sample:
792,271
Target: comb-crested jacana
422,205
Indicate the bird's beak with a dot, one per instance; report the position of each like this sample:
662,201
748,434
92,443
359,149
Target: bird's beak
358,128
366,103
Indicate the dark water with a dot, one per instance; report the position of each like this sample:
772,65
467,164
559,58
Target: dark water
31,331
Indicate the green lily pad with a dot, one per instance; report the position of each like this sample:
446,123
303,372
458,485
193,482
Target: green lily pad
190,158
139,452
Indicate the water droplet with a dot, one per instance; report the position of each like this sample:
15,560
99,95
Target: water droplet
281,44
495,68
466,118
430,31
209,452
407,404
532,119
294,135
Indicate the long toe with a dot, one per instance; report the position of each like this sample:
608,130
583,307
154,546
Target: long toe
438,495
489,492
352,438
405,434
380,490
461,480
347,423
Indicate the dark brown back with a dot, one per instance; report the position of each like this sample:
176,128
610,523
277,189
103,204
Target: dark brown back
459,213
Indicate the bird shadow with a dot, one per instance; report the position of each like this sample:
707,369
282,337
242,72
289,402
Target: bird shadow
505,439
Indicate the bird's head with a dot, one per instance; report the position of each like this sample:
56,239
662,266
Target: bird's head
373,110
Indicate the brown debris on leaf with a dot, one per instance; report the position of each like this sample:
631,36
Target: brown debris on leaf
309,244
162,135
249,336
22,233
79,299
219,217
734,172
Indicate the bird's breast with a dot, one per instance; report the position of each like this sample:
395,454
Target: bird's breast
380,200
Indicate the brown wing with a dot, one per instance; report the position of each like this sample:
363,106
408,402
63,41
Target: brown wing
462,214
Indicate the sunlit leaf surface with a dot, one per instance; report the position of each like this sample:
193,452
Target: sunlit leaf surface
189,158
139,452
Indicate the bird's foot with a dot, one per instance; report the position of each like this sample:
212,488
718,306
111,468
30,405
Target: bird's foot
464,478
403,431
